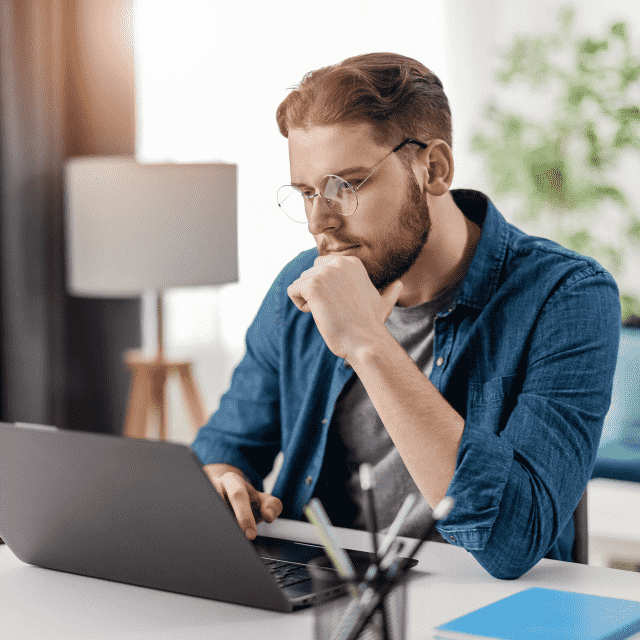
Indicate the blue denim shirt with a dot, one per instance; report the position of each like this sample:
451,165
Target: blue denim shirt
526,355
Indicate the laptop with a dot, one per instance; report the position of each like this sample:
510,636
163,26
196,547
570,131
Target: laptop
144,513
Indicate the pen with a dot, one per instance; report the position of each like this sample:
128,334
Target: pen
439,513
350,620
360,610
388,559
396,525
367,484
318,517
390,546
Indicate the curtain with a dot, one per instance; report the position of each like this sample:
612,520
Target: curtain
66,89
32,296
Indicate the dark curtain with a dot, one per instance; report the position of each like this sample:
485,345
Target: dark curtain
32,294
60,357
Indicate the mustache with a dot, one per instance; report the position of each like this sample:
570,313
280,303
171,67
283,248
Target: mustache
337,241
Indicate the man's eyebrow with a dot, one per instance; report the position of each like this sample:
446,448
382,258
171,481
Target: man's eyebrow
341,173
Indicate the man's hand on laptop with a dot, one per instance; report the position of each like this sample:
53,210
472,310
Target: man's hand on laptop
249,505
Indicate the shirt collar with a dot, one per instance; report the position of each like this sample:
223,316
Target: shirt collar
481,281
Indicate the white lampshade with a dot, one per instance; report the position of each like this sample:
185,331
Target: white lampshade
132,226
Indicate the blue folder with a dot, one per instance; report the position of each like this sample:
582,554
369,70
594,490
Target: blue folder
546,614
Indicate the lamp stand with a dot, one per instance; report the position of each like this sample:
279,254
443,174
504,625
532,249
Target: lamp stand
148,391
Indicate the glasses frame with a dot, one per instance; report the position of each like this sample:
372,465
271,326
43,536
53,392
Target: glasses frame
310,198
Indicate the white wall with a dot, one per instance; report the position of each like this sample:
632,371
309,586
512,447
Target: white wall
211,74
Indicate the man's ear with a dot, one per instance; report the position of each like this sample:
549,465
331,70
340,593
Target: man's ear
433,168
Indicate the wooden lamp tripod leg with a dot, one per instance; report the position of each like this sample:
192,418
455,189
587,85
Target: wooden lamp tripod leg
158,397
192,396
138,403
148,392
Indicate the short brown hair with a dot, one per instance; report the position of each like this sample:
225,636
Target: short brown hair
399,96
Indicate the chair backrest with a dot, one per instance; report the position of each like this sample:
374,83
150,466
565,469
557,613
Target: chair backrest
580,549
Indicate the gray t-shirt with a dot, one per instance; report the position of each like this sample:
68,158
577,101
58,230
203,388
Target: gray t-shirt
357,435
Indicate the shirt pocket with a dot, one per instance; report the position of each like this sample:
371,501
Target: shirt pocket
488,403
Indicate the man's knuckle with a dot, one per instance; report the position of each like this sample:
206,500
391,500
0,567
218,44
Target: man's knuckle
246,524
234,487
236,493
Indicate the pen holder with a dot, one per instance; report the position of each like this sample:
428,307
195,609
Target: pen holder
328,614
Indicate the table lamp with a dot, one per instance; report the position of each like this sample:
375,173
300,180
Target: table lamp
135,228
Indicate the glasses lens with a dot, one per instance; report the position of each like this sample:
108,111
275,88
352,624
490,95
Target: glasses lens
340,195
292,202
334,192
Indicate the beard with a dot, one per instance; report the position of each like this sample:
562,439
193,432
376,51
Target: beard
404,242
393,255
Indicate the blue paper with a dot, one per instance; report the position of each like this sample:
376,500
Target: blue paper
548,614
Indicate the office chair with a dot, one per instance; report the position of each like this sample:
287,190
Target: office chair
619,452
580,549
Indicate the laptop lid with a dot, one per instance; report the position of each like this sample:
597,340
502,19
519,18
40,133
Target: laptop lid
135,511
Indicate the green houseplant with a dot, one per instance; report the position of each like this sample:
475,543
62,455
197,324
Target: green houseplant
562,166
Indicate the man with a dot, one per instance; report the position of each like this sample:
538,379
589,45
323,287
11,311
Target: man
425,335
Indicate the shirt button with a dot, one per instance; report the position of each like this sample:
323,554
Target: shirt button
324,421
440,361
308,480
452,538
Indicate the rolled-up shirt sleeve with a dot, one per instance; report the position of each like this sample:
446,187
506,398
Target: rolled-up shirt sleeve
515,489
245,430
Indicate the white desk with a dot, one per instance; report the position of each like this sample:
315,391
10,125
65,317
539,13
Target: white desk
40,603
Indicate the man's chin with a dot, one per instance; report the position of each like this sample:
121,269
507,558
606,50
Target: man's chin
384,276
381,282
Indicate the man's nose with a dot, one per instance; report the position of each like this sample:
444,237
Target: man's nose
321,215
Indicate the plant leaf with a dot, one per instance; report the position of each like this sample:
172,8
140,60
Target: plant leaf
577,93
629,113
634,231
619,30
613,256
629,74
600,192
591,47
565,17
630,306
579,241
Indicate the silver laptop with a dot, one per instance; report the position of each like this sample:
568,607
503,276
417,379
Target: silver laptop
144,513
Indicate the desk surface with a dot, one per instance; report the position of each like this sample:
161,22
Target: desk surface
447,583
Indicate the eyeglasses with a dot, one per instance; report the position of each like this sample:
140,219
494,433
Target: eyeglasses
339,195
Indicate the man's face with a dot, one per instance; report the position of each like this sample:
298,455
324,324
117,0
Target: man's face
390,226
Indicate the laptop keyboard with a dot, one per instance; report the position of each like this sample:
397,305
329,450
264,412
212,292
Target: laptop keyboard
287,573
